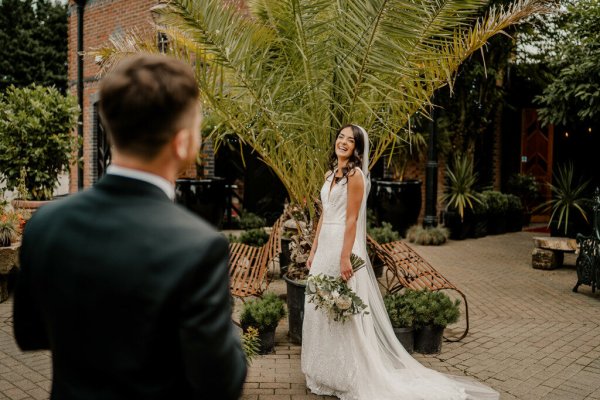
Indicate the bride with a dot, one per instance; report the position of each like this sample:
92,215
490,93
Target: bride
361,359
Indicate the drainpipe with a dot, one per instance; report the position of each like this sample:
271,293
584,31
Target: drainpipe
80,9
431,174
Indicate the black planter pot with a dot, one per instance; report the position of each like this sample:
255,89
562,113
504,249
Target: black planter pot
497,224
576,225
459,229
480,225
514,221
428,339
377,264
406,337
204,197
295,304
285,256
267,341
398,203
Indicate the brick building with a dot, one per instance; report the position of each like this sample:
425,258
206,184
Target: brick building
101,20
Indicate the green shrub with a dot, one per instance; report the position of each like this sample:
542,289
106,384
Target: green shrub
427,236
481,207
36,138
371,218
254,237
435,308
514,204
263,314
250,220
526,187
384,234
496,201
401,308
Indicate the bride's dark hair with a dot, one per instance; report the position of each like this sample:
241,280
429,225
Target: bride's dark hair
356,157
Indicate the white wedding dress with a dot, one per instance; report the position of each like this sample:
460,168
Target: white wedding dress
361,359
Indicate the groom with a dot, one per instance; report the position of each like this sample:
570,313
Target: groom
129,291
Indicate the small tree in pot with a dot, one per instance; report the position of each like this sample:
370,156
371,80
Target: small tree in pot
433,312
37,142
400,308
264,315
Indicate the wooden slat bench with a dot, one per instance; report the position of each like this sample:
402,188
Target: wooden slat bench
248,265
405,268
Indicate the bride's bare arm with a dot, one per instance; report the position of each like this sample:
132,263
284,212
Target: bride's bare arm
355,195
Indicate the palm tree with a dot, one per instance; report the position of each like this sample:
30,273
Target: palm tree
283,75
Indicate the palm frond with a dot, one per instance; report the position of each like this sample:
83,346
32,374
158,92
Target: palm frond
284,75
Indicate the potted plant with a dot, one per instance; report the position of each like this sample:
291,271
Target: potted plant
400,309
37,143
568,204
460,196
526,188
497,211
295,279
398,201
381,234
480,217
264,315
10,230
433,312
514,213
427,236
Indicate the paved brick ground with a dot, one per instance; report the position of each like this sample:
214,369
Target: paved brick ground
530,336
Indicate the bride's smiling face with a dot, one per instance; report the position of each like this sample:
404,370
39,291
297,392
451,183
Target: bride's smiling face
344,144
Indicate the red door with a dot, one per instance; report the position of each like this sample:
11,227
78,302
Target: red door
536,149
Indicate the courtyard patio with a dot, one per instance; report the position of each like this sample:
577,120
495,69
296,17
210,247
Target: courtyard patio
531,337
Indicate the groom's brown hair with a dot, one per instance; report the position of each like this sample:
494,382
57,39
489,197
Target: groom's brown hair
145,101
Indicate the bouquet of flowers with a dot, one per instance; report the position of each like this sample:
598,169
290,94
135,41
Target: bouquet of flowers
333,296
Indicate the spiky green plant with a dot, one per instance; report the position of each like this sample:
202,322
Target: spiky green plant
284,75
461,193
250,343
568,197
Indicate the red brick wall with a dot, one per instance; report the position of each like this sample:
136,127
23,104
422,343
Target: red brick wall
102,18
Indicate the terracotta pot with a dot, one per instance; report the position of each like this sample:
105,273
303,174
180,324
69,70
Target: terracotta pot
9,262
30,205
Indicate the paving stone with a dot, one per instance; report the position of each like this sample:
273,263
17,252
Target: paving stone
530,337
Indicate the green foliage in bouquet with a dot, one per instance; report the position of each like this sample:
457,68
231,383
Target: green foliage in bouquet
263,314
435,308
333,296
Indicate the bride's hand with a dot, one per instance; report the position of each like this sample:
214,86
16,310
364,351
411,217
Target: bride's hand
346,268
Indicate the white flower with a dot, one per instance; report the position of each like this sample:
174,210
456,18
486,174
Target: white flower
343,302
312,287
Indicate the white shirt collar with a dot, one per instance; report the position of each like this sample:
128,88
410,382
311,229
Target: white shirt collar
153,179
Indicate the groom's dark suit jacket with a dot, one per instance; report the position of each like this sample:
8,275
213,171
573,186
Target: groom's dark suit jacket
131,294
